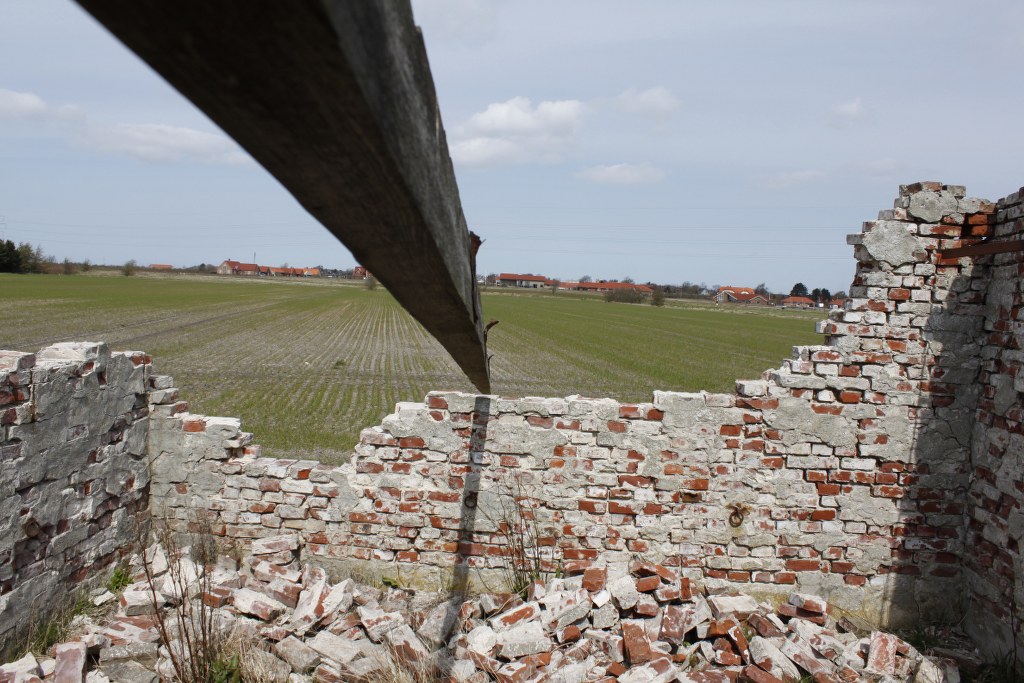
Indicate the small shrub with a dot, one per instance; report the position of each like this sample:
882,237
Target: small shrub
226,670
120,579
658,298
371,283
624,296
128,269
197,648
521,535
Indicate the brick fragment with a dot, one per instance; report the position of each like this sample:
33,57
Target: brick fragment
638,645
881,653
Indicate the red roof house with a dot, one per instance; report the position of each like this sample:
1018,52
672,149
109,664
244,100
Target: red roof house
529,281
741,295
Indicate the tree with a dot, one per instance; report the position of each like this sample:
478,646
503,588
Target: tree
816,295
371,283
32,258
628,280
761,289
658,297
841,294
128,269
10,257
799,289
586,278
68,268
826,296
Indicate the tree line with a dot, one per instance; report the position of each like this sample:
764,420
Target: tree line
22,258
819,295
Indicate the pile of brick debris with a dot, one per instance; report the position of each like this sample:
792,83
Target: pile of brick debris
645,626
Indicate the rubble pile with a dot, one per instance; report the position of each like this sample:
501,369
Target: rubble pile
645,626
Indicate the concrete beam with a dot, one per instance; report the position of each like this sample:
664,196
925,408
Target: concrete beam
335,99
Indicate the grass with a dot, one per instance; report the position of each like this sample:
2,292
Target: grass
55,625
307,365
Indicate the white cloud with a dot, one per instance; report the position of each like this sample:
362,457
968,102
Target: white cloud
162,143
27,106
623,174
657,102
515,131
487,152
517,117
788,179
847,113
146,141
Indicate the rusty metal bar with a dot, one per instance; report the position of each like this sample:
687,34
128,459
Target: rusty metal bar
987,246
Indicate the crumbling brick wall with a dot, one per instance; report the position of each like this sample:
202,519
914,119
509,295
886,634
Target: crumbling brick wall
881,469
845,471
74,478
994,561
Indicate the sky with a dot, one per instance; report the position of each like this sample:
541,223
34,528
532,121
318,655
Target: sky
727,143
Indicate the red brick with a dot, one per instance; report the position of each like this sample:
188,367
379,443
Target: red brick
758,675
629,411
437,402
648,584
594,578
638,647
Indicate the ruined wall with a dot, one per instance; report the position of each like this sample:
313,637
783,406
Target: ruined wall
881,469
74,480
994,563
845,471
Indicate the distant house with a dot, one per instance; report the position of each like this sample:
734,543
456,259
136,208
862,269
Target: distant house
360,273
311,272
837,303
161,266
739,295
799,302
528,281
228,267
604,287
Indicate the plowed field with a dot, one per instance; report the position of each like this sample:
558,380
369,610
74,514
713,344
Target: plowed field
306,365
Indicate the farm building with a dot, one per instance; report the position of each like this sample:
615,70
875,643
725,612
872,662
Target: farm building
529,280
230,267
739,295
605,287
160,266
360,273
799,302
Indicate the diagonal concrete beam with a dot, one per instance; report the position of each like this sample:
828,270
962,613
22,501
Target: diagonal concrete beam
335,99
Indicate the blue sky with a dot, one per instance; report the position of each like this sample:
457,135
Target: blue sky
727,143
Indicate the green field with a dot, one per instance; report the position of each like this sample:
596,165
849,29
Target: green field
306,365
